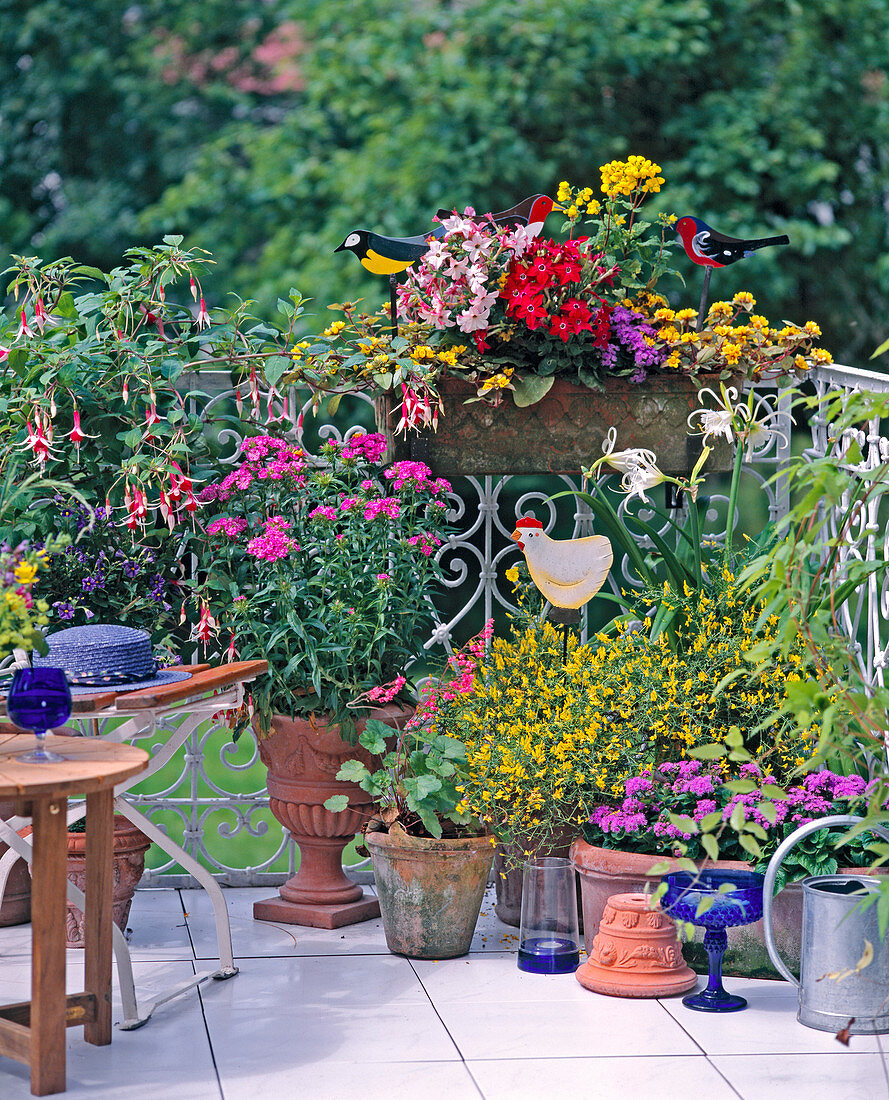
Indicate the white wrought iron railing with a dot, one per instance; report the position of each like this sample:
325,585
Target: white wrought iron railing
213,799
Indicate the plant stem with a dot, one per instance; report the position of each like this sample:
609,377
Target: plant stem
733,500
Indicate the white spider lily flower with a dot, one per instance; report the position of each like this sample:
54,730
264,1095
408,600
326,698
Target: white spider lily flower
625,461
637,481
713,423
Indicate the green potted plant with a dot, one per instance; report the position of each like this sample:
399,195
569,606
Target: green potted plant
512,336
431,855
326,571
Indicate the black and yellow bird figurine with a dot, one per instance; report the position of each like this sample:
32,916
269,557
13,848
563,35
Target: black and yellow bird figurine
387,255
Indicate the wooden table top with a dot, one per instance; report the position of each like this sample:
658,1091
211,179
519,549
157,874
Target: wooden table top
90,764
203,679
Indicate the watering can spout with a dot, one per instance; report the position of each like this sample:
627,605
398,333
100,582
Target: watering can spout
840,978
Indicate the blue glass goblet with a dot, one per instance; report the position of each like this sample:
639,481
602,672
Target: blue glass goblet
740,905
39,700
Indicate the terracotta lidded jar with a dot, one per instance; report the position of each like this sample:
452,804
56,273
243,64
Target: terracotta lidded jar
636,952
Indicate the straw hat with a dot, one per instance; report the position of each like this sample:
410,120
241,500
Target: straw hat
103,657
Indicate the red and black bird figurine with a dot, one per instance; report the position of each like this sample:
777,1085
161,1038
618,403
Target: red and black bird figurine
530,213
709,248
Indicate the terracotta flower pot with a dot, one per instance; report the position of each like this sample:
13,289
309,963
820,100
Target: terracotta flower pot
636,952
303,756
430,891
130,846
604,871
559,434
16,906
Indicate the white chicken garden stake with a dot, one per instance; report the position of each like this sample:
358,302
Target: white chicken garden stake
569,572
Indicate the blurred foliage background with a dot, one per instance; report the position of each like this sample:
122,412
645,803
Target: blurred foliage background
266,130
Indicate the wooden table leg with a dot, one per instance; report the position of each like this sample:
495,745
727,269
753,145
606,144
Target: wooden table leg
98,913
48,1005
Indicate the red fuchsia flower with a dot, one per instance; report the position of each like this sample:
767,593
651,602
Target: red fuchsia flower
203,317
40,315
417,412
193,287
125,392
4,354
23,328
205,630
77,435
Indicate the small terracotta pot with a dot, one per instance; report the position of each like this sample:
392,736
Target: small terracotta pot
636,952
430,891
130,846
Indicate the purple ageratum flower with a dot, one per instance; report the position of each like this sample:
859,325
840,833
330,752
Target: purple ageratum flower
638,784
705,806
700,784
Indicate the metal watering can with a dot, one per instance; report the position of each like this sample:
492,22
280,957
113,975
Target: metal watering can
832,989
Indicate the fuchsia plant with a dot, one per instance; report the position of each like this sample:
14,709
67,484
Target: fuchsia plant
326,571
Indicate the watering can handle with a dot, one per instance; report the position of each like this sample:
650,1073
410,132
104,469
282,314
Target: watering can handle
772,873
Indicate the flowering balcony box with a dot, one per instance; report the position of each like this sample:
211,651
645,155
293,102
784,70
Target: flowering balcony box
560,433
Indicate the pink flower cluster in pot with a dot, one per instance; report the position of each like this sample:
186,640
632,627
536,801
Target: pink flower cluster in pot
653,815
326,569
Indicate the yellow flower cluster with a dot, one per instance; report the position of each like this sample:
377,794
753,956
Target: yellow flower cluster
623,177
547,739
728,339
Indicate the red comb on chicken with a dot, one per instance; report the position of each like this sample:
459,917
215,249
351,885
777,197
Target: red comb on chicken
569,572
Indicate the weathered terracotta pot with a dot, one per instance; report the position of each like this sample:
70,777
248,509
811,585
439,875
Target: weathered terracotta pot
636,952
16,907
303,756
130,846
604,872
559,434
430,891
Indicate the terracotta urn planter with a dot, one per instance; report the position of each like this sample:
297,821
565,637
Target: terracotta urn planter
303,756
430,890
636,952
604,871
559,434
130,846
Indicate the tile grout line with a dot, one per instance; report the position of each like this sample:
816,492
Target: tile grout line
434,1007
201,1001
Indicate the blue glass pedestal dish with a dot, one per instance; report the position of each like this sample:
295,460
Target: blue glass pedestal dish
742,904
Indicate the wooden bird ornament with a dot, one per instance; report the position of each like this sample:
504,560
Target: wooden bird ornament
568,572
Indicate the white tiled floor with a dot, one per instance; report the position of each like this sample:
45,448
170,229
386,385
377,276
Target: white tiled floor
327,1015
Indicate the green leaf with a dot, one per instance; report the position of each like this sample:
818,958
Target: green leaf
337,803
707,752
531,389
353,771
711,845
275,366
374,736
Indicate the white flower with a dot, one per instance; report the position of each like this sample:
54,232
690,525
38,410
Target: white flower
721,420
642,477
628,460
